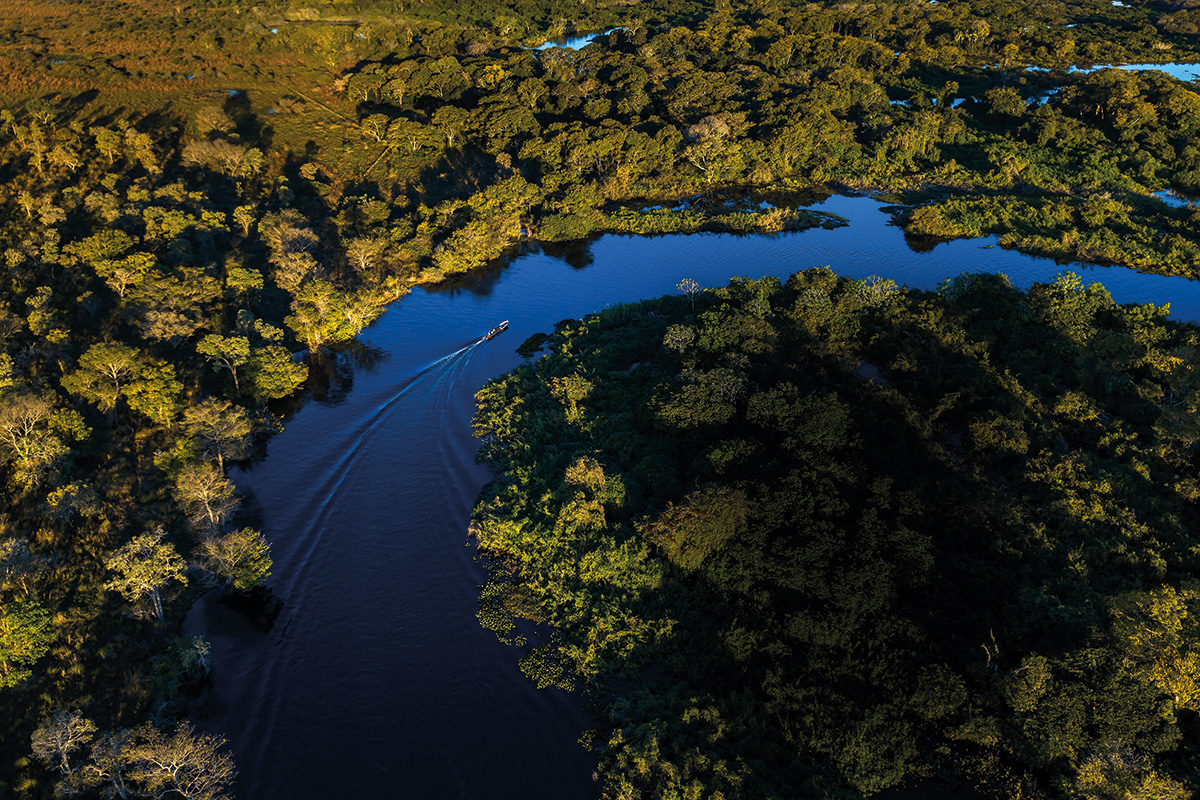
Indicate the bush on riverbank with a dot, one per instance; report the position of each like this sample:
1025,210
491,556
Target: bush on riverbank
1100,228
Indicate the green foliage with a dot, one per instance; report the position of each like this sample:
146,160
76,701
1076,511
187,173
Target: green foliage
1158,636
703,523
922,523
26,633
240,559
143,566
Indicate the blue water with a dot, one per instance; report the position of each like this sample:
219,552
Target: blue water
1180,71
574,42
375,680
1174,199
1184,72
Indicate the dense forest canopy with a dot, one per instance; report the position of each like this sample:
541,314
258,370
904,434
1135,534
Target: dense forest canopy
812,538
199,199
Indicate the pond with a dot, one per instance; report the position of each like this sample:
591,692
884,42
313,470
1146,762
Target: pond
1176,69
574,42
1183,72
372,674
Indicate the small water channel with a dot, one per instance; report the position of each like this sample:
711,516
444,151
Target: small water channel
574,42
373,678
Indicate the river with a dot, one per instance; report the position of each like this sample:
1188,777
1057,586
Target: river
374,678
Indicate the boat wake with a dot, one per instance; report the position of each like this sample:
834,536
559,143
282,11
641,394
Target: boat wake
432,382
417,395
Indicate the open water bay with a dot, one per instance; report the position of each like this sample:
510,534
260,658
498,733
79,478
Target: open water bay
375,679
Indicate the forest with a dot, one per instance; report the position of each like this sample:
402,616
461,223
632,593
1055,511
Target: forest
200,202
814,538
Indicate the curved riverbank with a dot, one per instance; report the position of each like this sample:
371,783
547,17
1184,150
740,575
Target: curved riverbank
376,657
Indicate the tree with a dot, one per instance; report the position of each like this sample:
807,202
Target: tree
569,390
444,78
183,763
375,127
291,244
453,121
64,156
239,559
60,736
1115,772
25,635
207,496
698,526
224,157
125,274
19,566
103,246
211,118
34,435
106,766
155,393
1157,634
322,314
143,566
678,337
364,251
273,373
102,374
241,283
76,499
690,288
713,150
412,135
222,429
108,142
227,352
108,371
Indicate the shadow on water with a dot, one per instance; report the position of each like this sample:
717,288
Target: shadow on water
920,243
258,609
575,253
481,281
331,376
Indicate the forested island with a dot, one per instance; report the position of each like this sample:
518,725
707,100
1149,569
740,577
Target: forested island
779,490
814,538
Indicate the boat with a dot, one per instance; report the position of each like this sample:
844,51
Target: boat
503,326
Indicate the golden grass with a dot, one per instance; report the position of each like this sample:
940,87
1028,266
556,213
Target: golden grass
33,9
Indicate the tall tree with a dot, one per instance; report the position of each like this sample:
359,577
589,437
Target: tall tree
59,737
226,352
144,566
239,559
207,496
222,429
182,763
108,371
103,374
34,435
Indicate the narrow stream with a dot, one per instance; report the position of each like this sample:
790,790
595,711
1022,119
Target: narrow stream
374,679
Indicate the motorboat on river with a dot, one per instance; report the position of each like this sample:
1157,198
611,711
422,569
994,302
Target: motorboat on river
501,328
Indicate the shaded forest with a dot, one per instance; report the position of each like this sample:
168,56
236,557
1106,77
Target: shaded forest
816,538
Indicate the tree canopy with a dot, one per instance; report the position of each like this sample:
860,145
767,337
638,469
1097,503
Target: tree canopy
821,536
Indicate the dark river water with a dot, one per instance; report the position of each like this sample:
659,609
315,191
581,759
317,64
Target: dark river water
374,678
